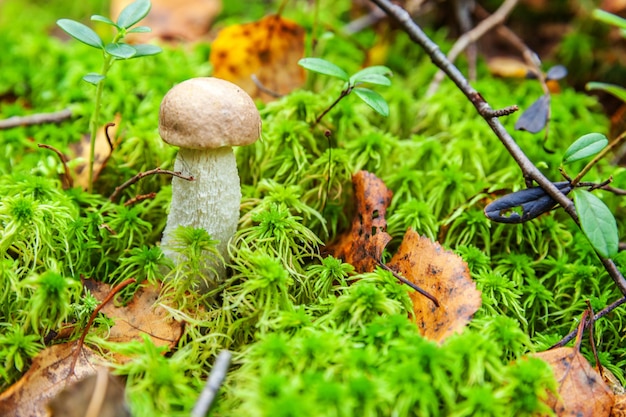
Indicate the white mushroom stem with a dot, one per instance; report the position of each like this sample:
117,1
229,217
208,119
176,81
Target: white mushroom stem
211,201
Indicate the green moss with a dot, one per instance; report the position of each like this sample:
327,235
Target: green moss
310,336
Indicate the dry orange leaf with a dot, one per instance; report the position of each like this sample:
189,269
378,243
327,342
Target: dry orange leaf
619,407
186,20
140,316
268,50
582,391
442,274
363,244
102,154
48,375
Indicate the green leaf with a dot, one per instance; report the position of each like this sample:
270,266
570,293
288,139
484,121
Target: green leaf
322,66
81,33
103,19
609,18
373,99
146,50
376,69
120,50
584,147
616,90
140,29
94,78
597,222
133,13
371,79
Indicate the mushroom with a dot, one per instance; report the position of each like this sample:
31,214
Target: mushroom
205,117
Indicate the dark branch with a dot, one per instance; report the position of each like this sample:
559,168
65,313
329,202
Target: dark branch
529,170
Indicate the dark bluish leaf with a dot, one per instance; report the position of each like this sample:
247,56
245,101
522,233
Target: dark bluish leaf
534,119
557,72
531,202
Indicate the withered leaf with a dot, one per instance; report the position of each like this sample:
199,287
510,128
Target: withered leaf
101,394
363,244
582,391
268,50
444,275
102,154
180,20
140,316
48,375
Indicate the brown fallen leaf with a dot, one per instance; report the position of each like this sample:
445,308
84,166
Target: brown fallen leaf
619,406
268,50
180,20
101,394
582,391
48,375
103,152
363,244
442,274
140,316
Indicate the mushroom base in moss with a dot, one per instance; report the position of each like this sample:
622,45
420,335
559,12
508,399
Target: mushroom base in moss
211,200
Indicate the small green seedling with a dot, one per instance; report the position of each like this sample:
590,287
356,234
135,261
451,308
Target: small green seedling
596,220
376,75
111,52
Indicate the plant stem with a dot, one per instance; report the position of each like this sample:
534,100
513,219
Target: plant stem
529,170
95,117
599,156
343,94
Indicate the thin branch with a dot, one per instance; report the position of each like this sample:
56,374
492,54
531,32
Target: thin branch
68,180
263,88
95,312
36,119
529,170
213,384
410,284
473,35
141,175
139,198
606,310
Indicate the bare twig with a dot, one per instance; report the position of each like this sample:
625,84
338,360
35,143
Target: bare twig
410,284
141,175
263,88
139,198
529,170
606,310
463,10
472,36
213,384
68,180
104,302
36,119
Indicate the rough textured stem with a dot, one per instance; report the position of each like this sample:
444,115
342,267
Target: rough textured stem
529,170
211,201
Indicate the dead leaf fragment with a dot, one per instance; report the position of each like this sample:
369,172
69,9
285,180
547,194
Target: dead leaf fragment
101,394
444,275
103,150
186,20
362,246
268,50
48,375
140,316
582,392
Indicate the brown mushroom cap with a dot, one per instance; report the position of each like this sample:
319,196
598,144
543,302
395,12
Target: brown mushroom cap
207,113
